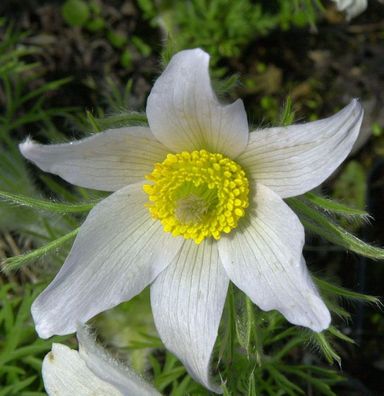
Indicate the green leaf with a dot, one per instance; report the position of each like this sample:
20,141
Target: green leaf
93,122
126,58
14,389
47,87
320,384
18,199
121,120
141,46
336,309
329,288
335,207
323,344
341,336
288,115
291,344
16,262
166,378
95,24
251,385
75,12
320,224
116,38
284,382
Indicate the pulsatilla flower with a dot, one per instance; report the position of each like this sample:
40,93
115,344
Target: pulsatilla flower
90,372
197,202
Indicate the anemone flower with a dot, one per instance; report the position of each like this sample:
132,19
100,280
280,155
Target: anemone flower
90,372
197,202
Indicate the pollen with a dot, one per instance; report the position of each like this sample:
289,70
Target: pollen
197,194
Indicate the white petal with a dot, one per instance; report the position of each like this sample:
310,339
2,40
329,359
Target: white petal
119,250
294,159
66,374
105,161
187,301
105,367
184,113
351,7
263,257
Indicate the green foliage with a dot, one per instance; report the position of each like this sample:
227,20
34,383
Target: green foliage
299,13
117,39
335,291
328,228
25,105
95,25
224,27
91,16
21,352
17,262
44,204
75,12
332,206
255,346
141,46
84,14
377,129
288,114
134,335
126,59
172,379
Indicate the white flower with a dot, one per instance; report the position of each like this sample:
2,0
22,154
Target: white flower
352,8
212,211
89,372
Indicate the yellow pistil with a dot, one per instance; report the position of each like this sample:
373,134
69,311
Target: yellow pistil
197,194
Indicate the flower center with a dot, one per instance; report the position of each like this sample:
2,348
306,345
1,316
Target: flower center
197,194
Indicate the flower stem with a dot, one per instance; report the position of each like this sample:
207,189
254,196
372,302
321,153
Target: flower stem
16,262
253,332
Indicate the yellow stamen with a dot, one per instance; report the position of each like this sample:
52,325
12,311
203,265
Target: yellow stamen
197,194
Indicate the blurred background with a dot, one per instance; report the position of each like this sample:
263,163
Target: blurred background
74,67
